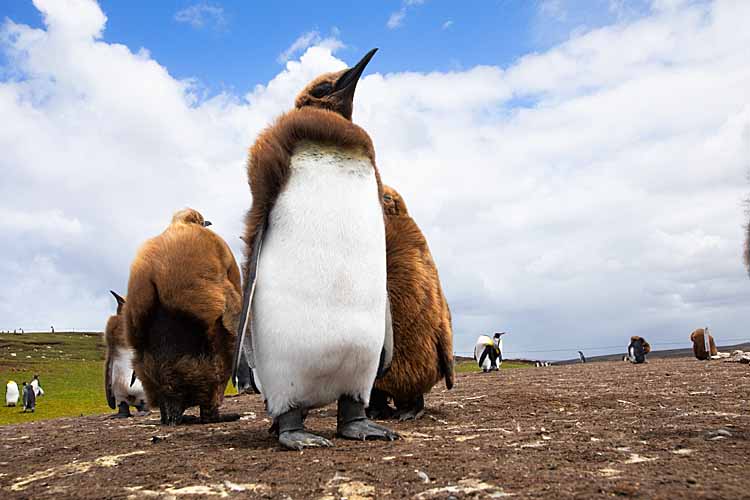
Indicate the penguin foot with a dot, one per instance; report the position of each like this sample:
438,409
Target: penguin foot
379,408
352,423
362,430
123,411
292,433
411,411
299,440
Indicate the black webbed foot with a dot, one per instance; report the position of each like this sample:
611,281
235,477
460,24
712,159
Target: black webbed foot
354,424
292,434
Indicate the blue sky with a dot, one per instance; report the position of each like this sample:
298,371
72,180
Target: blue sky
571,163
238,42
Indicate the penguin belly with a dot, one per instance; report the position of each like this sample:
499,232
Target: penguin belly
122,374
482,342
320,298
11,394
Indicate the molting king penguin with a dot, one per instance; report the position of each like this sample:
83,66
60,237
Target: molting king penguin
313,327
120,388
422,332
181,318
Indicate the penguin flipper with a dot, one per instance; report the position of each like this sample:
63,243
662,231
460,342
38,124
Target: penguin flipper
386,355
108,382
244,356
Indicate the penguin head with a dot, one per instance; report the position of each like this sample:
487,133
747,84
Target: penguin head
120,301
189,216
393,204
334,91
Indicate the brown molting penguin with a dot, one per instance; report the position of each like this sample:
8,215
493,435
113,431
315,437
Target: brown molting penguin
315,325
422,332
700,349
121,390
181,318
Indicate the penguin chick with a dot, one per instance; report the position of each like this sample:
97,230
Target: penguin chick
422,332
121,390
181,318
314,326
703,344
637,349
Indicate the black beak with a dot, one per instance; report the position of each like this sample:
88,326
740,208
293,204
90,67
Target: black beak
206,223
348,81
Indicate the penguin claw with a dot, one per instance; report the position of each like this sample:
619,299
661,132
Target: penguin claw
410,415
299,440
362,430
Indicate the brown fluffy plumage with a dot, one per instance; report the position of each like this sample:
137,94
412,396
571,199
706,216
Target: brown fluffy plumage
181,317
422,331
646,345
699,344
268,166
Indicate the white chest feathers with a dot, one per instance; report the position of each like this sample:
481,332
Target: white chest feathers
11,394
319,306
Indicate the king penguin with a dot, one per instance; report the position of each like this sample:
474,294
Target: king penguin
314,326
120,387
422,331
11,393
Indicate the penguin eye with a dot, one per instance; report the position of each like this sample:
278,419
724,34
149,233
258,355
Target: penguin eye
321,89
387,197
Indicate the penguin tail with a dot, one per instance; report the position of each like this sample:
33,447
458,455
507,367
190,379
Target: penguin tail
445,362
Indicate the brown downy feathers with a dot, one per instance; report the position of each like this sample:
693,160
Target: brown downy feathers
422,332
182,313
698,337
646,345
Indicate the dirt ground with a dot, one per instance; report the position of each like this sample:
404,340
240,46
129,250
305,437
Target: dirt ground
674,428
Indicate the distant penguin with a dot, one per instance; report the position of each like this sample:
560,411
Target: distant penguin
38,391
637,350
581,356
11,393
121,390
181,318
314,311
488,352
422,332
29,398
703,344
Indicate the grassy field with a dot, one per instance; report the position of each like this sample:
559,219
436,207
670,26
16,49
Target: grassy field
71,370
70,367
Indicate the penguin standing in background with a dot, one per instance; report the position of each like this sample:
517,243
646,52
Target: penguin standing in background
315,272
581,356
703,344
38,391
637,349
422,332
121,390
11,393
29,398
181,318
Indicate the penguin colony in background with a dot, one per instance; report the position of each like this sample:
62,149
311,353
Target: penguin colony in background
181,318
315,273
422,332
121,390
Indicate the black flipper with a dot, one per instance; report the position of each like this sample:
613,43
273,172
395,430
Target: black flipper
108,383
245,381
386,355
243,352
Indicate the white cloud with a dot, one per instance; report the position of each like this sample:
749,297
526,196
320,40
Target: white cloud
581,195
396,19
310,39
201,15
447,24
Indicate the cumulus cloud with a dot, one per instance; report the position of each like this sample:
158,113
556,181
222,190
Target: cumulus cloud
582,194
201,15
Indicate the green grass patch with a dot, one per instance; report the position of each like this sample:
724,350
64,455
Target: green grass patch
471,366
71,370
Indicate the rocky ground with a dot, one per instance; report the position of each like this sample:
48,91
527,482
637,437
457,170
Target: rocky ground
674,428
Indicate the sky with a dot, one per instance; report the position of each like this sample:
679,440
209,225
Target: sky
579,168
